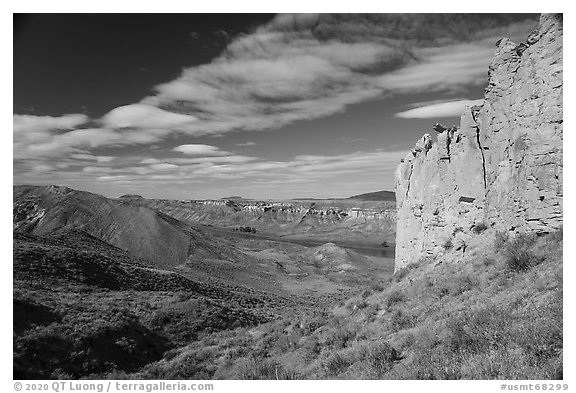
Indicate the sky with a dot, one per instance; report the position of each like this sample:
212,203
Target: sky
198,106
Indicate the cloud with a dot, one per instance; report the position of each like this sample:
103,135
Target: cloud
199,150
443,68
97,169
308,166
144,116
436,110
163,166
90,157
150,161
307,66
295,68
111,178
45,143
33,124
214,159
250,143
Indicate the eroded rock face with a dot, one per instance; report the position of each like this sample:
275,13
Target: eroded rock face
502,167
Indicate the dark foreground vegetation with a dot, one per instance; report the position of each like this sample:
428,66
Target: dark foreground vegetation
495,313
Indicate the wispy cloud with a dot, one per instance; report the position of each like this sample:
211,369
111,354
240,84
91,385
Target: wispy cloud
254,175
441,109
90,157
442,68
295,68
306,66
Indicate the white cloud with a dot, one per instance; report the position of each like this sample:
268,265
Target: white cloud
443,109
111,178
199,150
250,143
77,141
150,161
298,67
163,166
42,168
31,123
302,67
144,116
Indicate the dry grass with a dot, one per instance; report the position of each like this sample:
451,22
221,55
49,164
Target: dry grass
476,318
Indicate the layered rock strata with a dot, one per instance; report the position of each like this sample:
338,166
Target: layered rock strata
502,168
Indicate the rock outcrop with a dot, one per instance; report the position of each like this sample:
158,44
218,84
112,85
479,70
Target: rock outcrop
502,168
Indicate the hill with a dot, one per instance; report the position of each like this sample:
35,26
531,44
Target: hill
376,196
104,286
144,232
88,307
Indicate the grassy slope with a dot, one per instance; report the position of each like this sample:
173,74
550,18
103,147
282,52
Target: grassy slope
83,307
484,315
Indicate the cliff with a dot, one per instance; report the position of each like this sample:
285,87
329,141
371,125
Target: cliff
502,168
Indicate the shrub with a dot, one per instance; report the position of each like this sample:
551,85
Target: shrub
261,369
366,293
519,260
479,227
336,364
312,348
518,255
461,283
400,320
339,337
401,273
448,244
500,239
381,357
558,235
395,297
361,304
377,287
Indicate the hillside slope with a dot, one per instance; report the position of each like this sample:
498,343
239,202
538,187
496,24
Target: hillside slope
144,232
496,314
83,307
376,196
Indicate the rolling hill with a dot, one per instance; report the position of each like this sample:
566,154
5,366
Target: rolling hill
144,232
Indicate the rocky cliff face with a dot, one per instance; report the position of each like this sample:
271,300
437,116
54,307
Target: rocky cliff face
502,168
